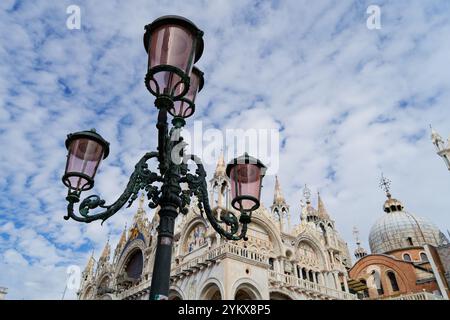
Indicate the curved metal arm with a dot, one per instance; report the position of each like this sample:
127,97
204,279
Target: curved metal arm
197,185
142,178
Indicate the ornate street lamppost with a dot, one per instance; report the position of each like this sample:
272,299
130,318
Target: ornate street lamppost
441,149
173,45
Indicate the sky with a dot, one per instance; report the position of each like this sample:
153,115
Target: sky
347,101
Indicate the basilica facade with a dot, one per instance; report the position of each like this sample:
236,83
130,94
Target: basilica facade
278,261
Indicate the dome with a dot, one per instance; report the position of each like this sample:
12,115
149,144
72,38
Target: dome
399,229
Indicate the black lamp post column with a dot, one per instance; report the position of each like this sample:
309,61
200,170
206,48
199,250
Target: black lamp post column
170,203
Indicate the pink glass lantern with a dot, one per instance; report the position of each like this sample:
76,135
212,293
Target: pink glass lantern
246,174
173,45
86,149
185,107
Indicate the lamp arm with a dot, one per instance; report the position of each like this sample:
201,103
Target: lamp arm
141,178
198,187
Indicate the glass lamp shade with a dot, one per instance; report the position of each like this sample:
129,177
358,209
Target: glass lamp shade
185,106
173,45
246,174
86,149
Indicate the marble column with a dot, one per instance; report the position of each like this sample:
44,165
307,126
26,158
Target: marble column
337,282
346,284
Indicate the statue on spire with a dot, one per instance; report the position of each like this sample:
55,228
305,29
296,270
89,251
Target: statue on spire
307,194
141,202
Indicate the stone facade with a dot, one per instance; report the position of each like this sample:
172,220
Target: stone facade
444,255
306,261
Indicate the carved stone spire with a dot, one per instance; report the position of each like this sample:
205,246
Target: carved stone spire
123,237
121,243
280,209
321,210
221,167
278,196
359,251
90,265
106,252
219,185
139,219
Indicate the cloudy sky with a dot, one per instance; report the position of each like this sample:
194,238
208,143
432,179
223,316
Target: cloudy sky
348,103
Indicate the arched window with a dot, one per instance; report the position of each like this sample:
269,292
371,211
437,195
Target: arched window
393,280
406,257
271,260
310,273
423,257
304,275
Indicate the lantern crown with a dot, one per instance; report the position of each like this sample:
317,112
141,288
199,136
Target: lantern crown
89,134
177,20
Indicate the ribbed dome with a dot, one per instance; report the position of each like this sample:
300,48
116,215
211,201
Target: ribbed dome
399,229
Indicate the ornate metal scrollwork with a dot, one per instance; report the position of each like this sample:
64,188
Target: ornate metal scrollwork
141,179
198,187
171,175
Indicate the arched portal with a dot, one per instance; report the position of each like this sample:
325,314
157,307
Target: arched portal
174,295
279,296
246,291
211,292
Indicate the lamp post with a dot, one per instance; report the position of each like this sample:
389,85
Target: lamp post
442,150
173,45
